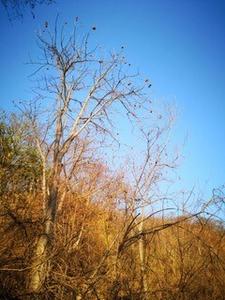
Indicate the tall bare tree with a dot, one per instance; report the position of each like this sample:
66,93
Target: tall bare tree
83,92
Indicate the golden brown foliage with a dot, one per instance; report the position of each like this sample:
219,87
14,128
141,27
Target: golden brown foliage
184,261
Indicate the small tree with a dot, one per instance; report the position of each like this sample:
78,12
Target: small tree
20,164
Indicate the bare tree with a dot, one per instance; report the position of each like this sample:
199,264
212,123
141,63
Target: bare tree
83,92
148,178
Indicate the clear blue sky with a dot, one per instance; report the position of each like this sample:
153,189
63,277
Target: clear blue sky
179,44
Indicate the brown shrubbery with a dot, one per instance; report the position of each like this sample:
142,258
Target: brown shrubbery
184,261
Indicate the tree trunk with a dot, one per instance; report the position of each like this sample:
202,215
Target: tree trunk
144,285
41,260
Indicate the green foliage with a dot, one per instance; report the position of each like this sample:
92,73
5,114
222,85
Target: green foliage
20,165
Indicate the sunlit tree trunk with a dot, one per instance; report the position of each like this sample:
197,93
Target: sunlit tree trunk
142,252
41,259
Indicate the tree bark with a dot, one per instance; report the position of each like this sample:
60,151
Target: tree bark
41,260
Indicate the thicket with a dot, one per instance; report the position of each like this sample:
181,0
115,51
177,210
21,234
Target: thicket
95,250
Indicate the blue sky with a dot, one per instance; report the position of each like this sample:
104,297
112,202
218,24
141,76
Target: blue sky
179,45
